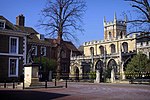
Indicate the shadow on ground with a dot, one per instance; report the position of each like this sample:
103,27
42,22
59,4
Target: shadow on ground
28,95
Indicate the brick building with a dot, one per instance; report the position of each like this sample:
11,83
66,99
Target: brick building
46,46
17,40
12,50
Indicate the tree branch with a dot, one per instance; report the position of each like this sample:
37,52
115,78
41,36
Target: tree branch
143,11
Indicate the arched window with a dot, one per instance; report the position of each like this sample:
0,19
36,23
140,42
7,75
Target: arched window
112,64
110,35
121,34
101,48
113,48
99,65
92,50
125,46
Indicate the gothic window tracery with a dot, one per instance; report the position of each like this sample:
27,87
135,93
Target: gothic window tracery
101,49
112,65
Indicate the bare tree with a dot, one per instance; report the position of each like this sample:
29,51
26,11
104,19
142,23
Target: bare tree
140,24
61,18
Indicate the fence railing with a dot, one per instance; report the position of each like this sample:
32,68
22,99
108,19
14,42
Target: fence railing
133,77
10,84
21,85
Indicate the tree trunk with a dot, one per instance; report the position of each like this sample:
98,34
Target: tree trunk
59,49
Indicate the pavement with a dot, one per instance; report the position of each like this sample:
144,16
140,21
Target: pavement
80,91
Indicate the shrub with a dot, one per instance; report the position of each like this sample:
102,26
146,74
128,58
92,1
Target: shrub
92,75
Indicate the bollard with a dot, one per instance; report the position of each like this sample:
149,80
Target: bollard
23,85
45,83
13,84
4,84
66,83
55,82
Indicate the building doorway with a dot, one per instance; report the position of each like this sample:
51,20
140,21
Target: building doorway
112,65
77,74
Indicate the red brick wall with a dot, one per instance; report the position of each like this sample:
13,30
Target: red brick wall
4,44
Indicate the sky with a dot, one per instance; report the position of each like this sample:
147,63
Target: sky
92,19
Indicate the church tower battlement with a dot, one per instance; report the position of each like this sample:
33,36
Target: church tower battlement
115,29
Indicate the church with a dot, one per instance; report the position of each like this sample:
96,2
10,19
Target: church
112,53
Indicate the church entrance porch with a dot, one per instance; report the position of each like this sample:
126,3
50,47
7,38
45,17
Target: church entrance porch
112,70
77,74
99,71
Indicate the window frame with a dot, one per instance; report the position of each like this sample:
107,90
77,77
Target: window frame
2,21
125,47
102,51
44,51
109,35
35,54
113,48
121,34
92,51
17,45
17,62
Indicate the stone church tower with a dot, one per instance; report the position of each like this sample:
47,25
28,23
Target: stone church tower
114,52
114,29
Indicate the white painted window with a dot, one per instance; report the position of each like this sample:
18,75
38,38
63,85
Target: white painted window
35,50
13,45
2,24
13,67
43,51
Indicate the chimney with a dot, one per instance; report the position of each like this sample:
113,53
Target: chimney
20,20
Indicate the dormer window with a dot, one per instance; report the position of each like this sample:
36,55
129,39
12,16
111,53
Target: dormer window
40,36
2,24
